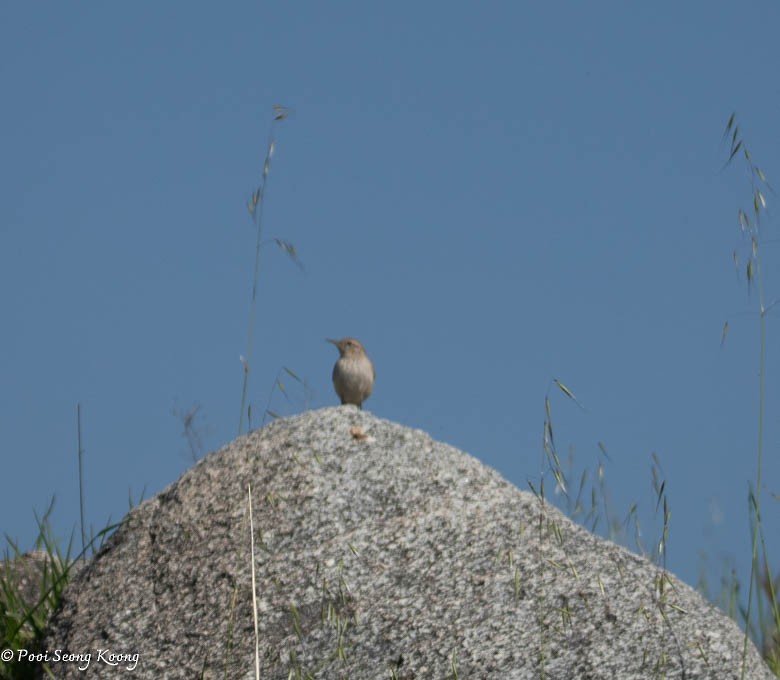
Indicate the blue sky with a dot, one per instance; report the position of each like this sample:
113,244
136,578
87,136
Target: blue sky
490,197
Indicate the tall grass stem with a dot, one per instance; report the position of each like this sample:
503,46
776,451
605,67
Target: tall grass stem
81,481
255,207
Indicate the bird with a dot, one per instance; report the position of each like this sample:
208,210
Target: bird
353,372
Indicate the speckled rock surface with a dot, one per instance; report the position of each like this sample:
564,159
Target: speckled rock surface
386,556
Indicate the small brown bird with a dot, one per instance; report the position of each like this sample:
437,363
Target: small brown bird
353,374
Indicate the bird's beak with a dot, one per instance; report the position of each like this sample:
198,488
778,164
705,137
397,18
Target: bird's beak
332,342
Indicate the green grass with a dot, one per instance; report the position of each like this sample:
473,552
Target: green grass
31,586
764,621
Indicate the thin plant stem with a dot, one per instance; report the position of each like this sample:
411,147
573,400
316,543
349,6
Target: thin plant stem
255,207
756,507
81,480
254,583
